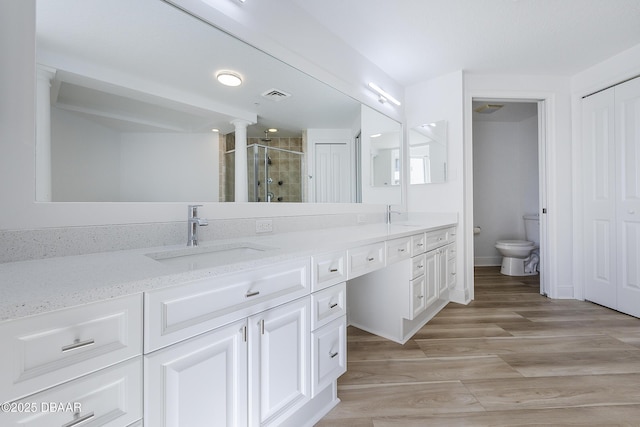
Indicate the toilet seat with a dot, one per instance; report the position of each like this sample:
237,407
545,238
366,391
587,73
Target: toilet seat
515,243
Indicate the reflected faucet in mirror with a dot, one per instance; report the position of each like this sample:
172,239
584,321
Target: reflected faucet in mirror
194,223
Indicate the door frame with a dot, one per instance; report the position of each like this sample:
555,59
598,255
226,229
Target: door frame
546,141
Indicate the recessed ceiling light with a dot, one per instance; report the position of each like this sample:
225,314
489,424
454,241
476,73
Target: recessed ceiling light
229,78
215,130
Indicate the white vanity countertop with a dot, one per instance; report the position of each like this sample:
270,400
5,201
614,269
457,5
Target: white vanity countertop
38,286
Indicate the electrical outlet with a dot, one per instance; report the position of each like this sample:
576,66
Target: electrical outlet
264,226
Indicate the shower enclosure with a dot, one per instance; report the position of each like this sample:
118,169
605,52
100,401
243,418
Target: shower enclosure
274,174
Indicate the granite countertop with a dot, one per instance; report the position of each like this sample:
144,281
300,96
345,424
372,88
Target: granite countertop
38,286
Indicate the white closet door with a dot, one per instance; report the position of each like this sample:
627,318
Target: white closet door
332,173
627,96
599,198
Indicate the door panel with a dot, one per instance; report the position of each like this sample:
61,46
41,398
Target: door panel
599,198
628,195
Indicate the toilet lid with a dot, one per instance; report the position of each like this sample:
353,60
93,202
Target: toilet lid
514,243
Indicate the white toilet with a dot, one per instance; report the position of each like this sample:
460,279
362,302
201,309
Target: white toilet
521,257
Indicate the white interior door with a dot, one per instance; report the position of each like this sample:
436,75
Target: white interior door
598,187
627,97
332,173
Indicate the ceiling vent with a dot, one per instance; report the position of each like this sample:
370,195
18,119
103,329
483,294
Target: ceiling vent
488,108
276,95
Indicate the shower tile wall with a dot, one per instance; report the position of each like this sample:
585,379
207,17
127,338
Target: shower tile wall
285,168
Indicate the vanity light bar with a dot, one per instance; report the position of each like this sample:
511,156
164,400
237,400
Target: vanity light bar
383,94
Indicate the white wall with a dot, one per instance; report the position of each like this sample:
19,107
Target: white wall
431,101
505,183
169,167
85,159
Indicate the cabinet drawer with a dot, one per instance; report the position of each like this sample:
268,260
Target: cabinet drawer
181,312
398,249
365,259
417,266
328,304
329,354
418,244
328,269
48,349
436,239
110,397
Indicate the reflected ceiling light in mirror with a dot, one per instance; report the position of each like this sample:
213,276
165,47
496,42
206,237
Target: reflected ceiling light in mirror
384,96
376,135
229,78
272,130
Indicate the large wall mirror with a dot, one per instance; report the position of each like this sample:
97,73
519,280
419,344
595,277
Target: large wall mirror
129,110
428,153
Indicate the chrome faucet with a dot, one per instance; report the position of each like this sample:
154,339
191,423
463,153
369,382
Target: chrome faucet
194,222
389,212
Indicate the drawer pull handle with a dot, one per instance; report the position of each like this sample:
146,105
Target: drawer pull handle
78,420
252,294
78,344
262,326
333,270
420,296
420,266
370,259
333,355
453,274
401,249
420,245
334,305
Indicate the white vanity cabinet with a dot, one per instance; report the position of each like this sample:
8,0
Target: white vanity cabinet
396,301
253,371
250,372
89,355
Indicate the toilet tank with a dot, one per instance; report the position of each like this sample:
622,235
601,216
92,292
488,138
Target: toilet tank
532,228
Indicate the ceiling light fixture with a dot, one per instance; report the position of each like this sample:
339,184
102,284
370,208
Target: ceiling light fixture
272,130
376,135
229,78
384,96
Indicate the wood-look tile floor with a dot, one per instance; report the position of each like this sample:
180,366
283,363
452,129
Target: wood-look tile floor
511,357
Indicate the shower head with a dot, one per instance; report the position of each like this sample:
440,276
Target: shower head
266,137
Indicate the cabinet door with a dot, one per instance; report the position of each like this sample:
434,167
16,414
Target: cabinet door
627,112
329,354
441,258
598,194
431,276
198,382
418,295
279,361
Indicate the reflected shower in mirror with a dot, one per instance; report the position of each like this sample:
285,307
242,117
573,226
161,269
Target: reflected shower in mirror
428,153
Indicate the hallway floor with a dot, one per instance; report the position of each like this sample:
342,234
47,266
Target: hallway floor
511,357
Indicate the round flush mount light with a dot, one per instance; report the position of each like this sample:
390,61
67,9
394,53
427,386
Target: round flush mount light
272,130
229,78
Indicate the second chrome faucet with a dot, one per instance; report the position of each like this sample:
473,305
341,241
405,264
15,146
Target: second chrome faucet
194,223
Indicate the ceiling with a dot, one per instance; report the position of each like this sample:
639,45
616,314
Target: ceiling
415,40
511,112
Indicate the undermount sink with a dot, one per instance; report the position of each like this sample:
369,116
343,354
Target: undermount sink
194,258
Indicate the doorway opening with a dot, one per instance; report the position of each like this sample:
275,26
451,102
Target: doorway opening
509,187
